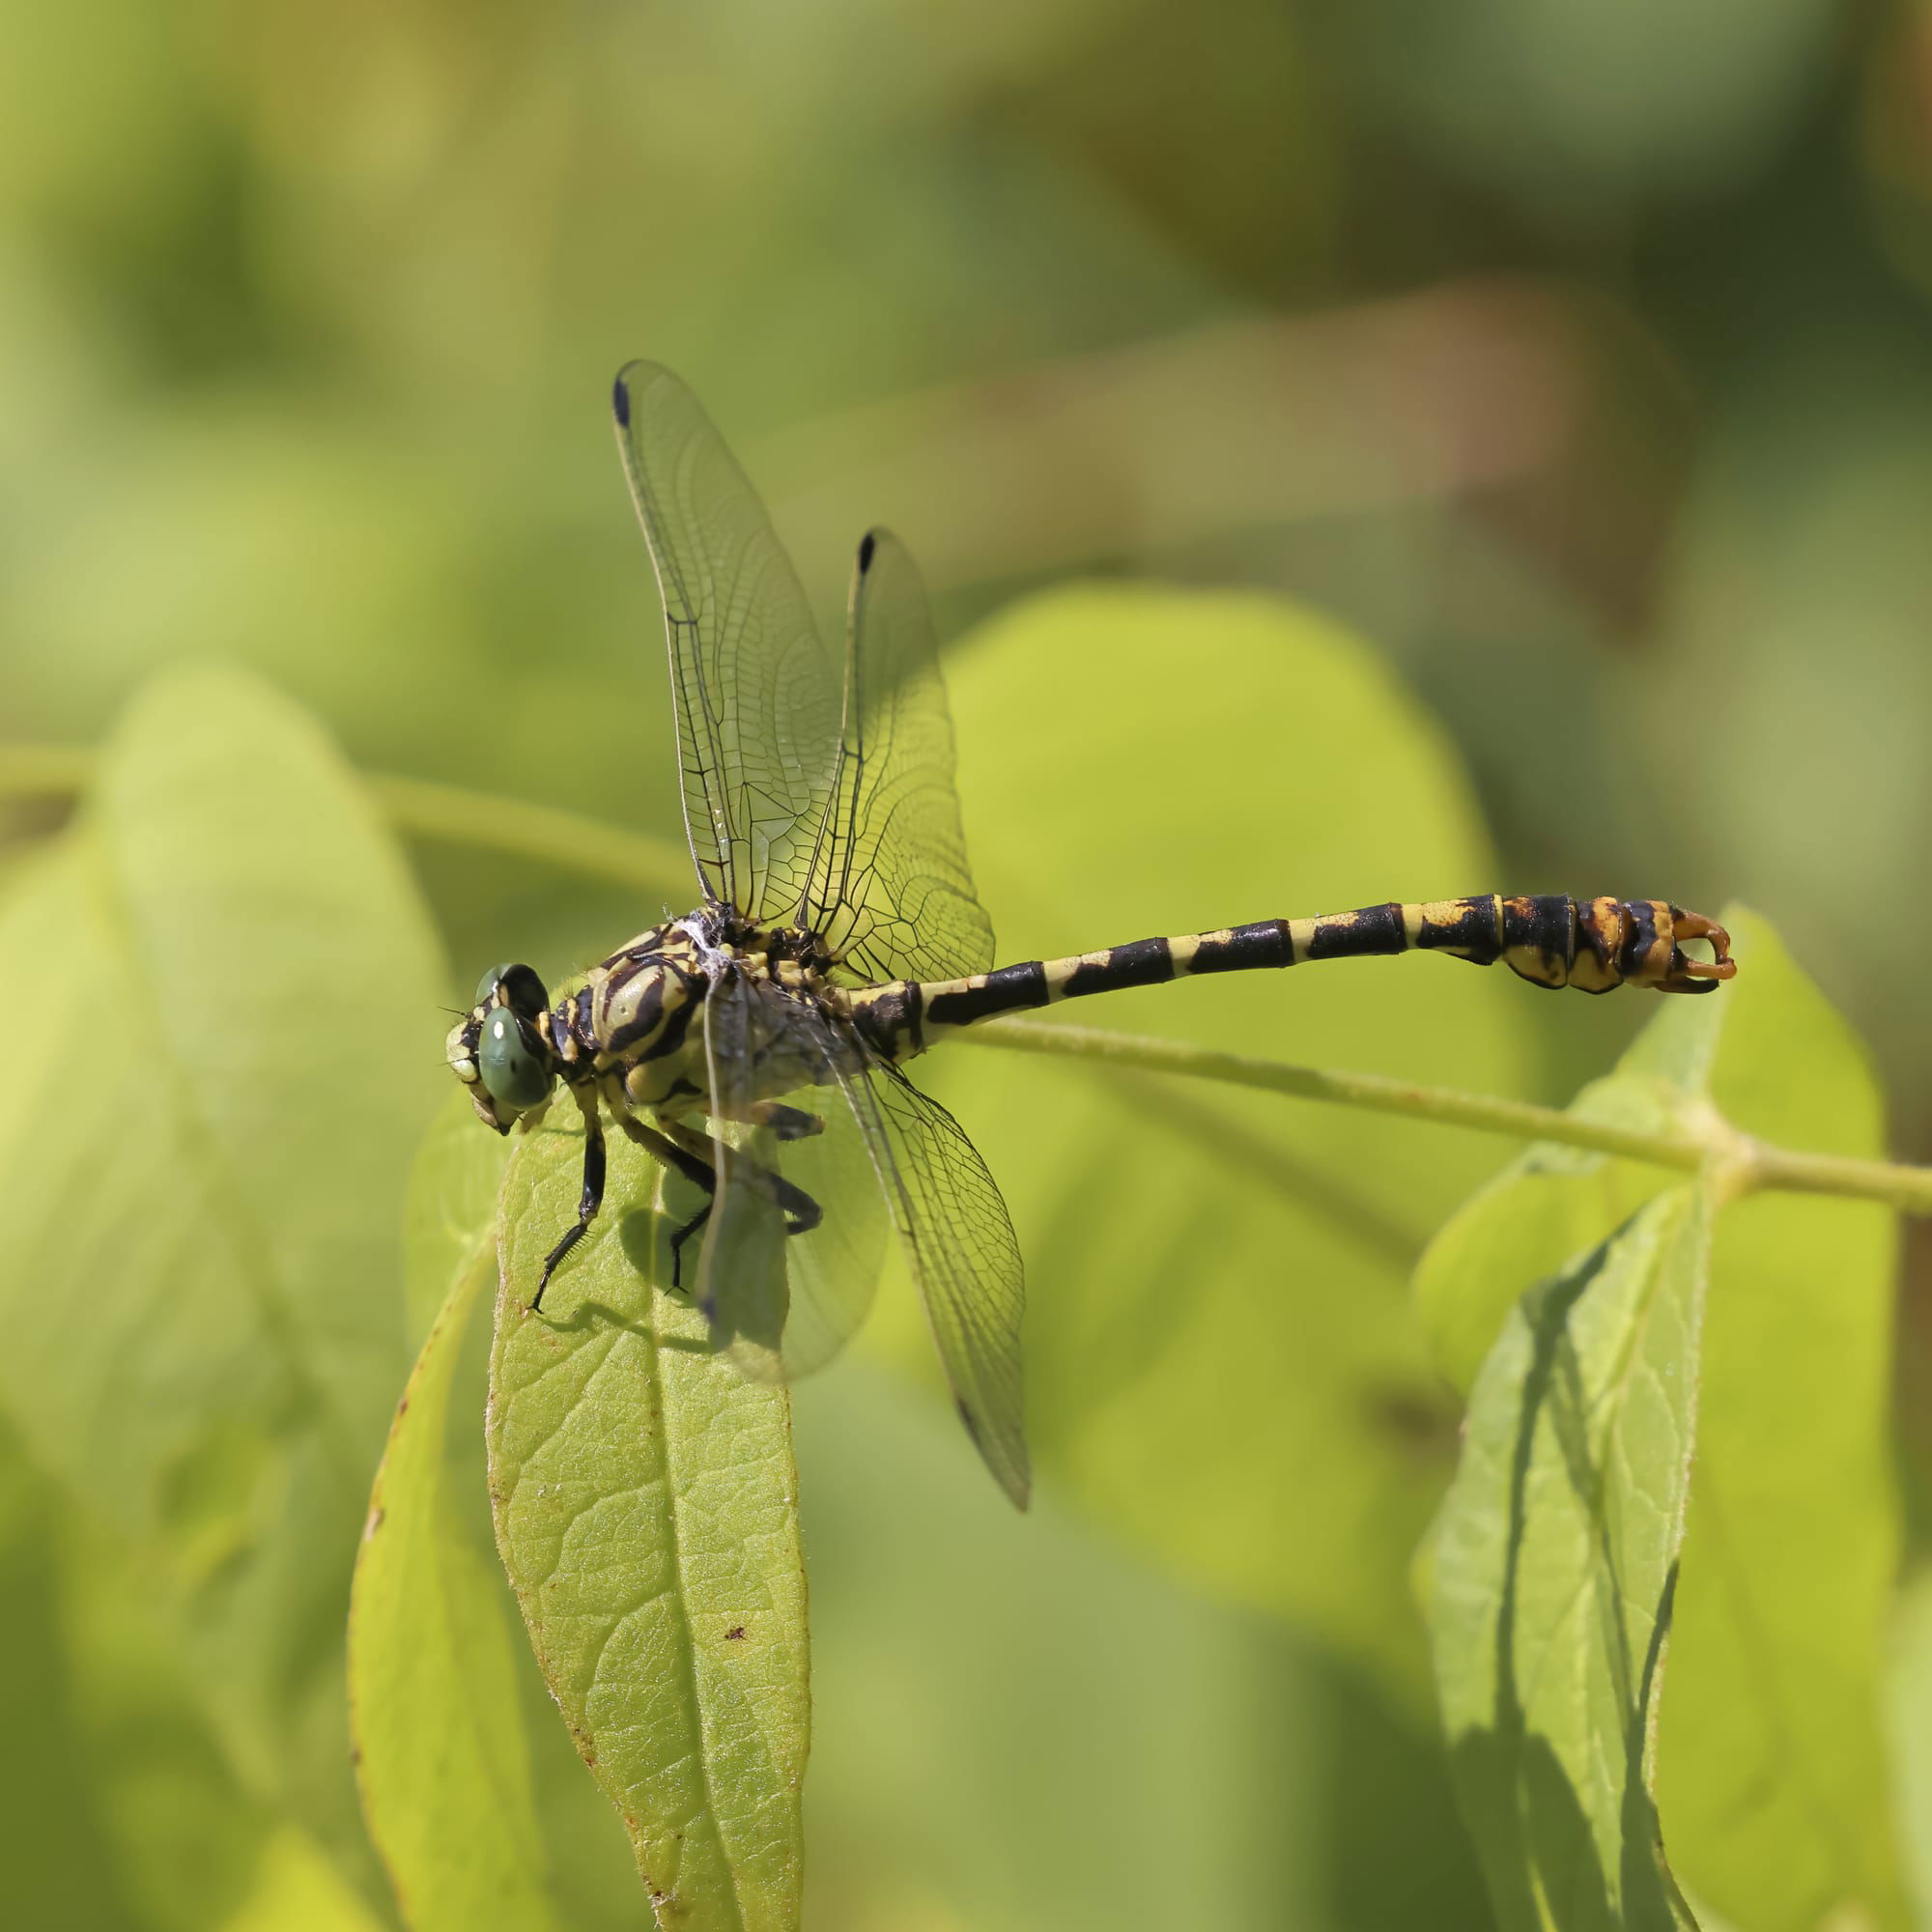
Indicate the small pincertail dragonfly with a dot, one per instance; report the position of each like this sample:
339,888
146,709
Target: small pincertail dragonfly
757,1045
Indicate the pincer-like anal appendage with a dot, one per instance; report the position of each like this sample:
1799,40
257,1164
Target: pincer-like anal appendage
1686,975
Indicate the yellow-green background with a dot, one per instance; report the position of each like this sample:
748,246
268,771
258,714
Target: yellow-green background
1575,357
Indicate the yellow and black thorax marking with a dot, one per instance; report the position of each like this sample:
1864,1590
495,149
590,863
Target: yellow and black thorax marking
633,1030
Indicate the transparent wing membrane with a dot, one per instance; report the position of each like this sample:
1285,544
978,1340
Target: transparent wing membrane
961,1250
793,1240
783,1303
756,692
891,887
828,803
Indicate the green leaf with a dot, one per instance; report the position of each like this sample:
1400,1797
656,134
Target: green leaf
1222,1365
646,1508
1550,1203
297,1891
1555,1561
186,1840
56,1811
452,1209
1774,1775
443,1762
200,1184
1772,1772
1909,1700
1009,1712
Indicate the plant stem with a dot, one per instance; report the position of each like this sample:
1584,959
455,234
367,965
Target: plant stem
451,813
1757,1166
461,816
1790,1171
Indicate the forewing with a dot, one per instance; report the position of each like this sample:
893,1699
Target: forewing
756,692
782,1305
960,1247
891,890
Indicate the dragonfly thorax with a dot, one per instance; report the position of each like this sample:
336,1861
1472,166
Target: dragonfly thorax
633,1030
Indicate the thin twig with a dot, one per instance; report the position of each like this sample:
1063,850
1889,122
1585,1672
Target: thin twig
1757,1165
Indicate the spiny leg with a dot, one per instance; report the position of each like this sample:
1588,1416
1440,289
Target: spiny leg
691,1154
588,1201
800,1211
799,1214
694,1163
786,1124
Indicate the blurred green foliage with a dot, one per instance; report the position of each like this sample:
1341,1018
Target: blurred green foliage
1574,359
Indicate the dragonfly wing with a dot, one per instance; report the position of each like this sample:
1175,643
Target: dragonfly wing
793,1239
891,889
756,692
961,1250
782,1303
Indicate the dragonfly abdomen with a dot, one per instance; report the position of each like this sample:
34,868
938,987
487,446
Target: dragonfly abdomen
1594,944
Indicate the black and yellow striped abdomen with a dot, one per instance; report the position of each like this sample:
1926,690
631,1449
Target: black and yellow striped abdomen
1594,944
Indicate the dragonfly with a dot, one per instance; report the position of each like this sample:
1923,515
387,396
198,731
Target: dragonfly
757,1047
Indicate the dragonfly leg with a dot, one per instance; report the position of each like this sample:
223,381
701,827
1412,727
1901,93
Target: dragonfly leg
691,1154
786,1124
692,1159
682,1236
800,1211
694,1162
588,1201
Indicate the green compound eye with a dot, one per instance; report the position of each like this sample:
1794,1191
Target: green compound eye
522,991
515,1077
486,987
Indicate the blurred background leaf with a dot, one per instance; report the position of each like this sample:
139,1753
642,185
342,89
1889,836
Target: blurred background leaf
1220,1358
217,1202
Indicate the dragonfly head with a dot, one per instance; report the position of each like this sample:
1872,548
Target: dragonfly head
500,1051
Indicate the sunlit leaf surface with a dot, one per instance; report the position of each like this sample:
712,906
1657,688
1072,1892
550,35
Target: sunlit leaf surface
645,1504
1793,1528
1774,1775
1555,1562
296,1889
441,1757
